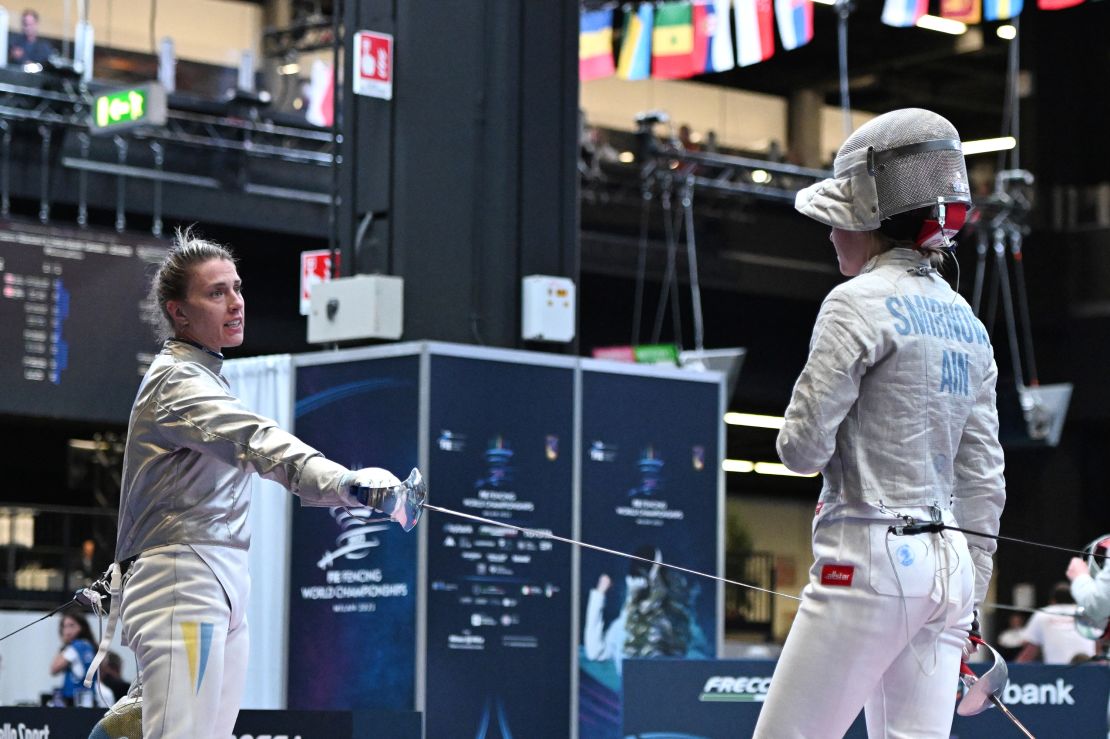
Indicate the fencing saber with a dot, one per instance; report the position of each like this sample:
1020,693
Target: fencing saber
983,692
542,534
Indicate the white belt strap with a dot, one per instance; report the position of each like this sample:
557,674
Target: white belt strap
115,580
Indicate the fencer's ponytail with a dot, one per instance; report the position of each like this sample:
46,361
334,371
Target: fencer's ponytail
902,229
171,281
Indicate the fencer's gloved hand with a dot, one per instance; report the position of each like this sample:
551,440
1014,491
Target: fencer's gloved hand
382,491
974,637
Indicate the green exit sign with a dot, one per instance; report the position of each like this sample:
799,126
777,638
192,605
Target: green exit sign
120,109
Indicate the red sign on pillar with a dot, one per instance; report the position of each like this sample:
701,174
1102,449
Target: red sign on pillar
316,267
373,57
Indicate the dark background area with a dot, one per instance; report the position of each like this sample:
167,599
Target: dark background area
472,203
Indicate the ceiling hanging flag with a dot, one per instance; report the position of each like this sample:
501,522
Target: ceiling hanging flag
703,16
712,38
964,11
755,31
1000,10
595,44
635,57
672,42
795,19
721,57
904,13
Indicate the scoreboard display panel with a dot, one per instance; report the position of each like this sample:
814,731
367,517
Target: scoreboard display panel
76,331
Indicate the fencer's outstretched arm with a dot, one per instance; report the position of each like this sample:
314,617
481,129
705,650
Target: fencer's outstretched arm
980,489
193,410
841,349
1092,594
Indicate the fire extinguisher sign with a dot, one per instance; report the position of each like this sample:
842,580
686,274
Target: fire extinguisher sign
373,72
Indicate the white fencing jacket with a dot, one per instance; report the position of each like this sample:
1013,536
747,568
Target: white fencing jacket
191,449
896,403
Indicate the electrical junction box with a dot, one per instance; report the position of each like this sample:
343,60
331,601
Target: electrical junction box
547,308
359,307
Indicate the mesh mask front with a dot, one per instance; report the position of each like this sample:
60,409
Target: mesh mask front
918,175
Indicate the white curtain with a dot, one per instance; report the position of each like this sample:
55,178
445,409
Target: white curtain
265,385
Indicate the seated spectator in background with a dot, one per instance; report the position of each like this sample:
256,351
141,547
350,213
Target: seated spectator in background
27,47
711,144
72,662
111,679
1012,638
686,138
1050,635
774,152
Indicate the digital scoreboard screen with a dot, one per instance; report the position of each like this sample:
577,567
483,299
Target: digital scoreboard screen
75,329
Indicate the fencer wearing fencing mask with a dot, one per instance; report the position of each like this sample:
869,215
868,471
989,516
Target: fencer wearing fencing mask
895,407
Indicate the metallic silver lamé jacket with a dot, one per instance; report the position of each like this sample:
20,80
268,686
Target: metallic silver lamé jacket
896,403
191,449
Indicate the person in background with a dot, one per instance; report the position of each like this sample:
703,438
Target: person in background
1011,639
27,47
72,662
1050,636
1092,592
87,565
113,685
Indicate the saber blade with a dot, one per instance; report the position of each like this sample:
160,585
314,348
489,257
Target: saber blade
542,534
1006,711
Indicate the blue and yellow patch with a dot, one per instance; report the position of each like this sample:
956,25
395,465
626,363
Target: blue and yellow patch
197,637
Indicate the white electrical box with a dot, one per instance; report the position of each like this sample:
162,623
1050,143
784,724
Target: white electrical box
359,307
547,308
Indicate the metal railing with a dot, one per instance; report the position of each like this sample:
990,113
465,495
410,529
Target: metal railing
46,552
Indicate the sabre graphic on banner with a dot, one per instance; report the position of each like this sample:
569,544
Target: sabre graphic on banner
373,65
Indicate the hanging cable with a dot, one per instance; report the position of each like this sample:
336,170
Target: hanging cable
1007,304
676,300
1023,302
641,261
843,10
692,261
668,275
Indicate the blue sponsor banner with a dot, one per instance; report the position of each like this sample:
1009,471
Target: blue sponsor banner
699,698
499,614
719,699
650,487
74,723
1050,700
352,601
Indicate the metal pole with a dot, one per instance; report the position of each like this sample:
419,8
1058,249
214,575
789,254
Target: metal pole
1007,303
121,185
159,160
83,182
5,170
692,260
1023,302
641,261
843,10
44,178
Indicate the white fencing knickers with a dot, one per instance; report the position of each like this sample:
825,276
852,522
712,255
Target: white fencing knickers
190,638
882,625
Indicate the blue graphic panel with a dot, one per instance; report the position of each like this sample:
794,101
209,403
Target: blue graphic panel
352,605
721,699
499,600
649,488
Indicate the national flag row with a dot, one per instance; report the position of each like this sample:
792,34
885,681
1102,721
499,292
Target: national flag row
676,40
908,12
